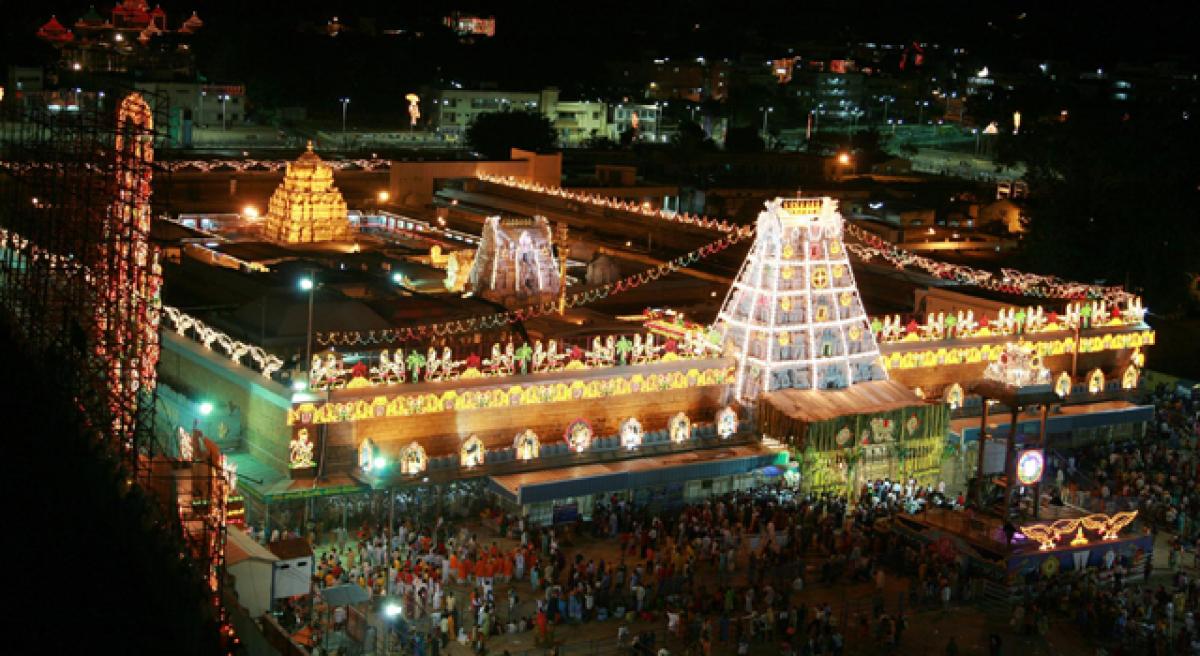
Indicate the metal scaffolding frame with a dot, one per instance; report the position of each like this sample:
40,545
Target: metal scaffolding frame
80,281
79,278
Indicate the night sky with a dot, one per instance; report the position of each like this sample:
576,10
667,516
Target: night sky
281,51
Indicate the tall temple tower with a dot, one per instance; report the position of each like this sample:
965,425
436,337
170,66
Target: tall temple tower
793,317
515,264
307,207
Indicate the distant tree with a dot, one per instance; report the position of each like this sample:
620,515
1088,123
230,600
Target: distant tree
743,140
868,148
628,136
496,133
597,141
692,138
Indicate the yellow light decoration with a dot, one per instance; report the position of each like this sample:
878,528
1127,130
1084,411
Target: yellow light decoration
1109,526
783,339
1095,382
1138,357
855,332
1062,386
835,248
408,405
307,207
785,303
838,271
1129,380
954,396
300,451
788,251
984,352
820,277
472,452
845,299
1079,540
786,273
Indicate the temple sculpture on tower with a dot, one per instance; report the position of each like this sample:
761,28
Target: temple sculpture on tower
307,207
793,318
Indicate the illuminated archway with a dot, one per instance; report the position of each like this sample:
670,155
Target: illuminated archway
527,445
472,452
727,423
1095,382
1129,379
680,428
412,459
366,455
631,433
1062,386
954,396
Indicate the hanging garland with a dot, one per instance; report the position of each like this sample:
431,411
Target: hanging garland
1009,281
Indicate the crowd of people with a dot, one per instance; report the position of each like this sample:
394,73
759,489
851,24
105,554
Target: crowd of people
731,571
1157,473
728,571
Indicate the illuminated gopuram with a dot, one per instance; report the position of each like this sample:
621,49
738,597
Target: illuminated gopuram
515,264
307,207
793,318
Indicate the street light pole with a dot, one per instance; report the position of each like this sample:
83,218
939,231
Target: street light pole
309,284
345,102
224,97
765,112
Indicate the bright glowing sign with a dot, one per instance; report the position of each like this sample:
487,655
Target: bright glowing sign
1029,466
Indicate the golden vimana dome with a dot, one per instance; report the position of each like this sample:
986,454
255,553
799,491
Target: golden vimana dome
307,207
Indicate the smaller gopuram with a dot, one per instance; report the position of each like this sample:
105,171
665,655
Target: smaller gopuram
307,207
515,263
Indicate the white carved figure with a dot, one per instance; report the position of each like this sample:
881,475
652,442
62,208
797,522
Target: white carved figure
631,433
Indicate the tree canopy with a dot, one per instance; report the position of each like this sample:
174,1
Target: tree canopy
744,140
495,134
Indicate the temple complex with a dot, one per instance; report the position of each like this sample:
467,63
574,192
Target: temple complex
307,207
131,37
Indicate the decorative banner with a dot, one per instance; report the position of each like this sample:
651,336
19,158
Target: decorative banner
264,362
328,371
1049,535
984,353
530,394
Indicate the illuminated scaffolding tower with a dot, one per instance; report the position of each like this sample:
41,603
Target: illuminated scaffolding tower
79,278
79,290
793,318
